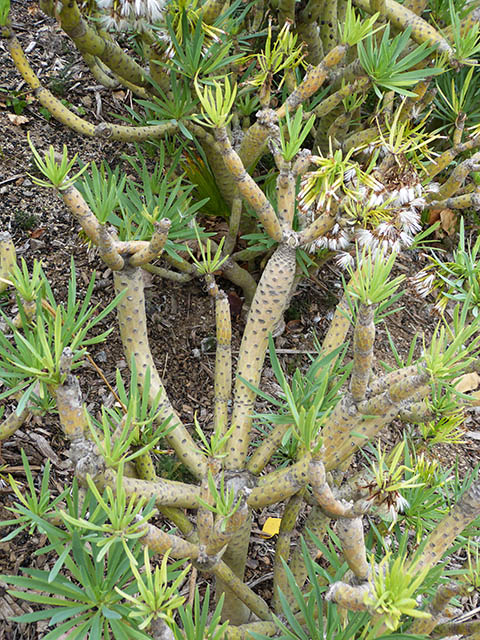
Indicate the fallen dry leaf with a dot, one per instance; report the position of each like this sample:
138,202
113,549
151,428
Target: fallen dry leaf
37,233
475,399
16,119
448,219
467,382
433,216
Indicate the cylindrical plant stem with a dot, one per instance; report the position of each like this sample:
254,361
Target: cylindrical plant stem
328,104
248,187
350,532
211,9
286,11
75,202
160,542
351,598
256,136
133,331
316,523
313,80
134,134
438,542
234,559
155,246
284,483
70,408
401,390
465,201
329,25
99,73
417,6
282,548
233,226
269,445
108,251
223,178
225,528
88,40
244,631
286,196
255,603
8,256
363,340
457,177
146,471
322,491
315,229
167,493
204,515
13,422
58,110
349,427
266,310
440,163
400,17
307,30
240,277
338,329
360,139
336,430
223,363
382,383
443,595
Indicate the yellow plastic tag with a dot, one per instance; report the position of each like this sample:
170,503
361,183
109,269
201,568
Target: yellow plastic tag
271,527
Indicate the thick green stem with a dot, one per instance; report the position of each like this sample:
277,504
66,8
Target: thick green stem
211,9
160,541
269,445
400,17
70,408
8,257
248,187
442,162
87,40
443,595
286,11
266,310
329,25
13,422
145,469
133,331
255,603
350,426
284,483
244,631
316,523
438,542
350,532
348,596
229,580
103,78
338,329
307,30
282,548
233,226
223,363
168,493
313,80
363,339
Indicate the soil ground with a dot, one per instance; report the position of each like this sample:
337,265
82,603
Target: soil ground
181,316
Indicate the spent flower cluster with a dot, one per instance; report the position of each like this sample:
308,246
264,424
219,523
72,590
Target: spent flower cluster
121,15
